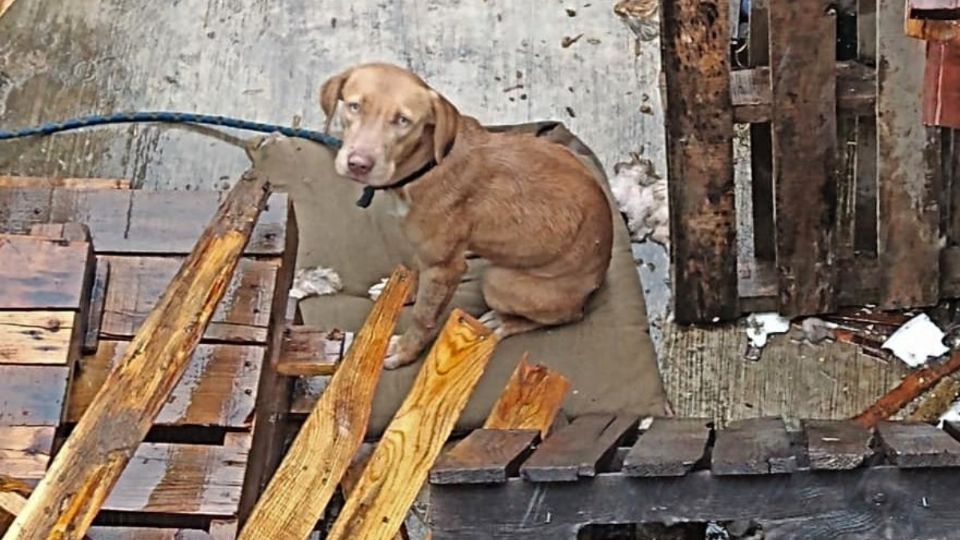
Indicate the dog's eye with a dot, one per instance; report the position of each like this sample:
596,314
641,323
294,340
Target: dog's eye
402,120
353,107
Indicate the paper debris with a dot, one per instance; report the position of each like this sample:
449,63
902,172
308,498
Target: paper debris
917,341
760,326
317,281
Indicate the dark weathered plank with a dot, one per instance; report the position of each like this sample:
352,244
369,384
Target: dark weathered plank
98,297
308,351
941,85
42,273
37,337
944,10
865,219
761,150
952,429
143,533
22,207
218,388
753,446
907,170
582,448
802,58
485,456
700,159
670,447
836,444
32,395
910,445
136,284
868,503
25,451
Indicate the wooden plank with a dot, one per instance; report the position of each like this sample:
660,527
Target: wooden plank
914,444
7,181
308,351
42,273
700,160
944,10
753,446
21,208
146,533
669,447
25,451
413,440
98,298
752,96
531,399
96,452
136,284
912,386
907,170
190,479
761,150
583,448
486,456
36,337
300,489
802,58
865,219
941,85
218,388
836,445
932,30
32,395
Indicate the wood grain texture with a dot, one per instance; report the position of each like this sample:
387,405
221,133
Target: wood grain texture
531,400
218,387
37,337
753,446
912,386
914,444
486,456
585,447
309,351
413,440
669,447
932,30
32,395
700,167
144,533
91,460
7,181
907,170
137,283
25,451
802,58
42,273
836,444
300,489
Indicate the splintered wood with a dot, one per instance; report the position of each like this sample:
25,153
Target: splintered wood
401,462
531,400
301,488
91,460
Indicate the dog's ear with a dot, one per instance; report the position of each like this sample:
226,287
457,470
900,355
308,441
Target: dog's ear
330,95
446,120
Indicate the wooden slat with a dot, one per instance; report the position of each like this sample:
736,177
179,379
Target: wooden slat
761,149
136,284
190,479
91,460
98,298
909,444
753,446
308,351
218,388
36,337
752,97
62,182
299,491
945,10
941,85
802,58
531,399
42,273
485,456
700,159
583,448
145,533
907,170
669,447
32,395
932,30
25,451
413,440
21,208
836,444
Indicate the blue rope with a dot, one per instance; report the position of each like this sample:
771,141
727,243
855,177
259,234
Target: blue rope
169,117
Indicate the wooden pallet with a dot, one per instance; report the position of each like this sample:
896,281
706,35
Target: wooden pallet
830,479
849,193
216,440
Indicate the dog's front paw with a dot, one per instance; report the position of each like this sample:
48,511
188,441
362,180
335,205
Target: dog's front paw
397,354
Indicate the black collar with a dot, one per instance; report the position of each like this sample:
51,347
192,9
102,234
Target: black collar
369,191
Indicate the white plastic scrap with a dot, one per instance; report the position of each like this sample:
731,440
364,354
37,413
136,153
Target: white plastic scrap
760,326
317,281
917,341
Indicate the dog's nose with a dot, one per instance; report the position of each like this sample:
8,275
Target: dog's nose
359,164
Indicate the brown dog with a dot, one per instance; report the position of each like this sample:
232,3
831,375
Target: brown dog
527,205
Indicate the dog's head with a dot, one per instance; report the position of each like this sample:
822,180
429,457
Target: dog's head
388,115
